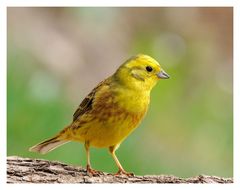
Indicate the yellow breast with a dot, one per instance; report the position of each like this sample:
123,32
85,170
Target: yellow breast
112,120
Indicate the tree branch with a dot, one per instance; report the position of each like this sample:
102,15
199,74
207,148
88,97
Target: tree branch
27,170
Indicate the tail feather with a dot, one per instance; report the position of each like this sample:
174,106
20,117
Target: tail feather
48,145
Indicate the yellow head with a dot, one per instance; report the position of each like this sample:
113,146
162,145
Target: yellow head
140,72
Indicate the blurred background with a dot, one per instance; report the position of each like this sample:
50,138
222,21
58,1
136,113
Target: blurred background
57,55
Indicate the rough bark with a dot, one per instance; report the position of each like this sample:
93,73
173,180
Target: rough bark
27,170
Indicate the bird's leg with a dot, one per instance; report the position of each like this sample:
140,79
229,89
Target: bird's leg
121,171
88,167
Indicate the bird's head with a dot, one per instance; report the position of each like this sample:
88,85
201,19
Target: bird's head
140,72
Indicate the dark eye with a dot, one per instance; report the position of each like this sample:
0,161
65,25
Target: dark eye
149,69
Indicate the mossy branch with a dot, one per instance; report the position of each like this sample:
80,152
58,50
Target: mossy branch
28,170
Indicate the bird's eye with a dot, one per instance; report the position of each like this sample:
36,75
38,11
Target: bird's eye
149,69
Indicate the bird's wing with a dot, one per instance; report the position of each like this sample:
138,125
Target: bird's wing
87,103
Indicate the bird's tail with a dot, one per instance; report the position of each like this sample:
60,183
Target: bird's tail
48,145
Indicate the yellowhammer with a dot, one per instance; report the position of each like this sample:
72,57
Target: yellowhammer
113,109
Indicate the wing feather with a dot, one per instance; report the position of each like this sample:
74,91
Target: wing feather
87,104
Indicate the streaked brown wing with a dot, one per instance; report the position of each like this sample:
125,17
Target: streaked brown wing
87,103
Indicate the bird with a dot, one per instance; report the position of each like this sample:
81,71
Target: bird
111,111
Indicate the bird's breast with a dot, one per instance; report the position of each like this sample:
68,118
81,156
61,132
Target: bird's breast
132,101
112,126
113,118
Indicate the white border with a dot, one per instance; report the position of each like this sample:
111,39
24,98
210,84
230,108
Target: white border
3,100
121,3
110,3
236,92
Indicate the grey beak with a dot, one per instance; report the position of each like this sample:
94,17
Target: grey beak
163,75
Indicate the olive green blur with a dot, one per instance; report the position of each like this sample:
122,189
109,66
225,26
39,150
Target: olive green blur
57,55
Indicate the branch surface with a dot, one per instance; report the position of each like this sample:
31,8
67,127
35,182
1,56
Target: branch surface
28,170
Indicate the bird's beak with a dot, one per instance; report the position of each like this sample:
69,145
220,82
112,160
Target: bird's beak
163,75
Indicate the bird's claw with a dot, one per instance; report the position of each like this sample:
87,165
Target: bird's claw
92,172
123,172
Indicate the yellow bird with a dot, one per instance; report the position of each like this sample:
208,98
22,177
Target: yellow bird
112,110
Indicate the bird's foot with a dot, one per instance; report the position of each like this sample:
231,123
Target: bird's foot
92,172
123,172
